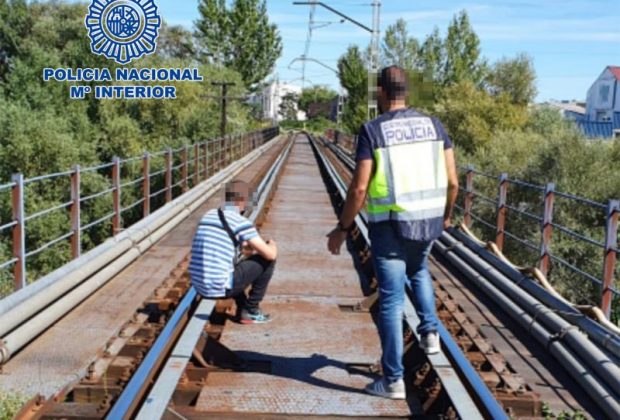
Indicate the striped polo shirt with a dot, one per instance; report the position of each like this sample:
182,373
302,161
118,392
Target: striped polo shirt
211,265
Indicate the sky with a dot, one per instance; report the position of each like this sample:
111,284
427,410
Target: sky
571,41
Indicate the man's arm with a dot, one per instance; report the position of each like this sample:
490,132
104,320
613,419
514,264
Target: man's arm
453,186
267,250
356,194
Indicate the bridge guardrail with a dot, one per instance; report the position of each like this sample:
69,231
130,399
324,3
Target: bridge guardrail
543,197
151,181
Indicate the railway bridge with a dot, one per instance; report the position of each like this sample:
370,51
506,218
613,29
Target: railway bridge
118,332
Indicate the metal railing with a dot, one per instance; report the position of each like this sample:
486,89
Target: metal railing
548,196
133,187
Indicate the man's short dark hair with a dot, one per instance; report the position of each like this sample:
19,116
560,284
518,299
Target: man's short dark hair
236,190
393,81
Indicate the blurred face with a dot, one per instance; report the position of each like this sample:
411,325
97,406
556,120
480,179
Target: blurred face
237,194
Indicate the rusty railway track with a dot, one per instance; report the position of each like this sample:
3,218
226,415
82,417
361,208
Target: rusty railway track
507,386
92,396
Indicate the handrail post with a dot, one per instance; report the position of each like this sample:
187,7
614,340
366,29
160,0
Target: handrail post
116,195
205,161
19,231
611,242
501,211
546,229
196,164
168,177
184,169
146,184
469,195
76,238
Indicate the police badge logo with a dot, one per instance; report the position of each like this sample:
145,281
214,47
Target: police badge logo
123,30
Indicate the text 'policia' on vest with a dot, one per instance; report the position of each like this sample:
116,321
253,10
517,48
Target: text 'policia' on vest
409,183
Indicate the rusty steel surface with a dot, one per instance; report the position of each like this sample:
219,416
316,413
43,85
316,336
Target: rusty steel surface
317,355
521,373
536,368
65,351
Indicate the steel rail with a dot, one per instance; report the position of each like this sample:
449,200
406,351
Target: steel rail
47,211
454,389
96,195
161,392
47,176
28,312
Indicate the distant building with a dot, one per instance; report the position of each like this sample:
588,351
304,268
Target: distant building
571,110
271,98
604,96
602,117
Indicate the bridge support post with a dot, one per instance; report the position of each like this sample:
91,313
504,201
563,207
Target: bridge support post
168,176
19,232
146,184
196,164
184,171
116,196
469,195
76,238
546,229
205,161
611,243
501,211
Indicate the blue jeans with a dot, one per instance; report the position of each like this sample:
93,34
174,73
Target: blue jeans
398,263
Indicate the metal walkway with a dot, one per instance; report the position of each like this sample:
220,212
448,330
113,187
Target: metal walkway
316,356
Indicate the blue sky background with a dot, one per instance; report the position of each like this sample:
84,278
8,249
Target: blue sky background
571,41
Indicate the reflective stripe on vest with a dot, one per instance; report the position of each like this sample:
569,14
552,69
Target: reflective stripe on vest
410,179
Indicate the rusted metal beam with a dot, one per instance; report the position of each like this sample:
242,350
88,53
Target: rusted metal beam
184,171
501,211
19,231
146,184
196,164
76,238
611,243
168,176
205,161
547,229
116,195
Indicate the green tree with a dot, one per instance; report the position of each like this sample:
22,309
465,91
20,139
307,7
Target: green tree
471,115
316,95
463,59
399,48
515,77
432,56
289,105
239,37
175,42
353,75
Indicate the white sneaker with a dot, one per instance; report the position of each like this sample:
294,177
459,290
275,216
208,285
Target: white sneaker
382,388
430,343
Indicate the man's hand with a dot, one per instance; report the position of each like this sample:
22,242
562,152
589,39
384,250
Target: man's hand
447,224
336,238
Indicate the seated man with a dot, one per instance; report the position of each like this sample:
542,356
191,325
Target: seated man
214,267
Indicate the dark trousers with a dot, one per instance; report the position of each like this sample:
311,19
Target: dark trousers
254,271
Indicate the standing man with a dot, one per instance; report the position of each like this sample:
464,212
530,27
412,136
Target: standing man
214,269
405,164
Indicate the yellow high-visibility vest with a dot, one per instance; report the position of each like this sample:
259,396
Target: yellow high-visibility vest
410,179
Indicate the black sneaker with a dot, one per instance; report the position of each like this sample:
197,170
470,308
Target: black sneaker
256,317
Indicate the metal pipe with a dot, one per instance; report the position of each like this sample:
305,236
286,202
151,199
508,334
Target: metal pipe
581,373
124,406
19,309
605,368
597,332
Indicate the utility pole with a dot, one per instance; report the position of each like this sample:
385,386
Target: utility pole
373,66
224,86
